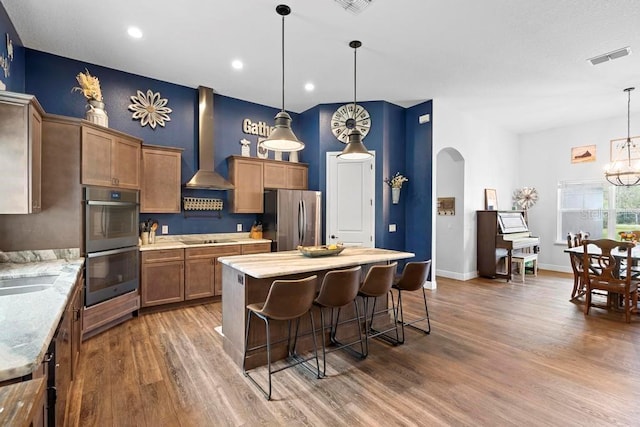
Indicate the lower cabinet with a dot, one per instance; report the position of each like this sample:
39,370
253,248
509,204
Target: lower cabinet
162,277
203,274
175,275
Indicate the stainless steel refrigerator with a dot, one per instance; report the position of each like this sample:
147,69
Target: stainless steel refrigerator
292,218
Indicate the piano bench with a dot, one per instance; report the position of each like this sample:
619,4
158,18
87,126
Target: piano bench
522,260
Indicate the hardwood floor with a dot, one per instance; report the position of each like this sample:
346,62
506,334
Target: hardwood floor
499,354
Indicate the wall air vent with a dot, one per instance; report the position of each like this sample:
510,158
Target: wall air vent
610,56
354,6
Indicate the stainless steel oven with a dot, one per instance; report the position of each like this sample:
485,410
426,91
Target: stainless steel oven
110,273
111,243
111,218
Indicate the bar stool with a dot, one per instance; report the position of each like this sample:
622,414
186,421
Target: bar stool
287,300
413,277
339,288
377,283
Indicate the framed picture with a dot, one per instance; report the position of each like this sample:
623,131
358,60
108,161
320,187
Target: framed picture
619,149
490,199
586,153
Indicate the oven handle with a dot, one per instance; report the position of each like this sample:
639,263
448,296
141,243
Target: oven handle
112,252
100,203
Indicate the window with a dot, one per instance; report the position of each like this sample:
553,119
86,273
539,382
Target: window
598,208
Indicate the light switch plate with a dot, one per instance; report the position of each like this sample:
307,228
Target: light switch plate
238,227
392,228
165,229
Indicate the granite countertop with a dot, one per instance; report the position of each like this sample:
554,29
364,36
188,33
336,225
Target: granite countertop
178,241
275,264
28,321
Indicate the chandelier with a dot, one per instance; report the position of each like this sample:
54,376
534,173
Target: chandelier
622,172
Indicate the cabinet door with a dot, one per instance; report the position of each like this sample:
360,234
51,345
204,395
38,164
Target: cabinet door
125,163
161,180
199,278
225,251
35,136
77,304
20,154
247,178
96,157
63,364
275,175
162,277
297,177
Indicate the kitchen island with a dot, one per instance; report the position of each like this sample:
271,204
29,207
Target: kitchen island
246,279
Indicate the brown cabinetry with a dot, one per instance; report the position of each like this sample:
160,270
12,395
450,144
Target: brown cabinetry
20,153
162,277
77,304
251,176
203,273
161,179
110,159
247,177
256,248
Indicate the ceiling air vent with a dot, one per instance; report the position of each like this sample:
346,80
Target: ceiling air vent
610,56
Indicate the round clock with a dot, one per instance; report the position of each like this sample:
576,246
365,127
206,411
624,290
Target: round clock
347,118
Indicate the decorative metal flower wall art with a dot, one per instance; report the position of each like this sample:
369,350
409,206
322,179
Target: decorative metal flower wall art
150,108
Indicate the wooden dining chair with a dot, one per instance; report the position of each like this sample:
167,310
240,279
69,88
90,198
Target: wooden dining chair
611,275
575,240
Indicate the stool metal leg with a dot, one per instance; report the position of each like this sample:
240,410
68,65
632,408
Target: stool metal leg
411,324
383,335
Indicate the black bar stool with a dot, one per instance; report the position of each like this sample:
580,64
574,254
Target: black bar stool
339,288
377,283
287,300
413,277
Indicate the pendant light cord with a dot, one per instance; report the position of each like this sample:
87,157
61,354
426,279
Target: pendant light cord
355,65
282,62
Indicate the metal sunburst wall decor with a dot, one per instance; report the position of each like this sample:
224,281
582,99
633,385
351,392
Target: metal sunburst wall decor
150,108
525,197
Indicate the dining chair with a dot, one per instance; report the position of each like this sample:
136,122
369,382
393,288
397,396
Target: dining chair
575,240
610,275
287,300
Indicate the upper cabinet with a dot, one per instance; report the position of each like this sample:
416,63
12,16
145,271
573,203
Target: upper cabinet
161,180
20,153
110,158
251,176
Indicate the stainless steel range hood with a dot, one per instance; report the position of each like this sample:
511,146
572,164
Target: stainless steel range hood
206,177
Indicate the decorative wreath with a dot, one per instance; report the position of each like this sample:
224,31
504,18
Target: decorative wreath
525,197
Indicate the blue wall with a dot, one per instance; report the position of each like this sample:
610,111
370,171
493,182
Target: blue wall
419,195
15,81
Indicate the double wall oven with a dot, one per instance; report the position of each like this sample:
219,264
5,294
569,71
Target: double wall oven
111,243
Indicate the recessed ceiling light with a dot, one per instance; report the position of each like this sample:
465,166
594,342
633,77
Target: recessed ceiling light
309,87
134,32
237,64
610,56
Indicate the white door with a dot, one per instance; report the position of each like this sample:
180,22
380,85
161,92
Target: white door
350,201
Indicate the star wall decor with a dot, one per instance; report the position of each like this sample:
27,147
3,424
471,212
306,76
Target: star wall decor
150,108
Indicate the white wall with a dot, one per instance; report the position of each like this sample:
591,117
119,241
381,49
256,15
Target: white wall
490,161
545,160
450,183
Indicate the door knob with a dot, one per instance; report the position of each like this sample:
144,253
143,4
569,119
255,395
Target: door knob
334,237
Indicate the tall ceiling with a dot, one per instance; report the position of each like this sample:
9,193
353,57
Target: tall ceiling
521,64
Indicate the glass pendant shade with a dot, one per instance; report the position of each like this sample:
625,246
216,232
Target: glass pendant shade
355,149
624,172
282,137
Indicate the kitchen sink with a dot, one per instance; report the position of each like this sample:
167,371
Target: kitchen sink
23,285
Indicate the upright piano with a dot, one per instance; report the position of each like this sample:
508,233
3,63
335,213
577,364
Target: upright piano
499,234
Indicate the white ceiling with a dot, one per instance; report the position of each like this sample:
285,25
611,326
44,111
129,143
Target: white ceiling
518,63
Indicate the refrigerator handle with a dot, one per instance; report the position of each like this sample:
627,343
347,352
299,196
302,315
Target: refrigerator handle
304,220
300,224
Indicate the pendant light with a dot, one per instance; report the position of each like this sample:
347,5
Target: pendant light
355,149
621,172
282,137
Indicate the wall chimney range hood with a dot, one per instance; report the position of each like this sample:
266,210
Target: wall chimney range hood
206,177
